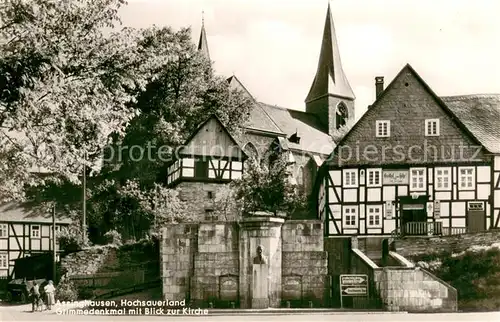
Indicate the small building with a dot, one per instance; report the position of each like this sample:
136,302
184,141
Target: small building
415,164
200,168
25,231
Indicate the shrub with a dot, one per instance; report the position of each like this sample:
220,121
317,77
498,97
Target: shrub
66,291
85,293
113,238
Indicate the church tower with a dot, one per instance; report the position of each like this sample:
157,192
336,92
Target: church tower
203,42
331,97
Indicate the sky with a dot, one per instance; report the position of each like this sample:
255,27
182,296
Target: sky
273,46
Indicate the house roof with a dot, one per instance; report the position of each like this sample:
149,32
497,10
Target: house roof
306,125
481,115
447,107
234,142
258,119
24,212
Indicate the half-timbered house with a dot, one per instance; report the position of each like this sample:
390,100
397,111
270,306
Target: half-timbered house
24,231
415,163
201,167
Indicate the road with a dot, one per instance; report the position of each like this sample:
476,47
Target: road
22,313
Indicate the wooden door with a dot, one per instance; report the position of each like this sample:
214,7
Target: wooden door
476,221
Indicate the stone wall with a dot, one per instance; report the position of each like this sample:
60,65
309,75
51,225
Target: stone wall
215,275
210,264
414,290
305,264
412,247
89,261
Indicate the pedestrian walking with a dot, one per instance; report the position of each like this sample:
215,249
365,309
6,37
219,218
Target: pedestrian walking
49,294
35,297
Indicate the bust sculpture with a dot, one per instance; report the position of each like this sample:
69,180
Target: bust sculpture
259,259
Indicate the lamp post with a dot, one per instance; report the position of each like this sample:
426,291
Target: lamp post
54,252
84,192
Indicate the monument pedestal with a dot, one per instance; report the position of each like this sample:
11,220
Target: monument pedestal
260,262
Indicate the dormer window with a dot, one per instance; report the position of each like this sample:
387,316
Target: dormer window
432,127
294,138
383,129
341,115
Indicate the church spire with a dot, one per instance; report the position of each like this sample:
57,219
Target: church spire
330,86
203,43
330,78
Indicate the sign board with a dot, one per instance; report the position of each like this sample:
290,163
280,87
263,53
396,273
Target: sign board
437,209
388,209
395,177
353,285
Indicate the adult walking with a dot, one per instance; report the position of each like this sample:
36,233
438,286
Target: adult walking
35,297
49,294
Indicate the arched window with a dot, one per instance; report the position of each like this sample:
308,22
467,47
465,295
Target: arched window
251,151
341,115
300,176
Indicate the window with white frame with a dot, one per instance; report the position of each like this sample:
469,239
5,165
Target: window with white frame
443,178
417,179
350,217
383,129
466,178
35,231
374,176
350,178
374,217
432,127
3,261
3,231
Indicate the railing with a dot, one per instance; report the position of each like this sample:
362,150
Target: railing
422,228
450,231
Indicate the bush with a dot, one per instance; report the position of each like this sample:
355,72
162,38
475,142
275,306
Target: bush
85,293
113,238
66,291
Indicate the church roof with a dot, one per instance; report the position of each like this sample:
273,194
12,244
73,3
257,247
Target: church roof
307,127
481,115
258,119
203,42
330,77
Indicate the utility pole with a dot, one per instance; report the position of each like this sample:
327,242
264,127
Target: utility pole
84,223
54,242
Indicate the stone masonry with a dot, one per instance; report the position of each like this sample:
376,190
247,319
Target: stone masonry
210,264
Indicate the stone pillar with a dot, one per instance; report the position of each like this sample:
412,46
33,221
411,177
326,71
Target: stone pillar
260,267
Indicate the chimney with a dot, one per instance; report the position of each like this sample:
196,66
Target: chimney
379,86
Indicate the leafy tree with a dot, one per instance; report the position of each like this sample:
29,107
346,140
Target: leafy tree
268,188
65,85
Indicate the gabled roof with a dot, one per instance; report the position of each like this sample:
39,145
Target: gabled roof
213,117
25,212
438,100
330,77
306,125
481,115
258,119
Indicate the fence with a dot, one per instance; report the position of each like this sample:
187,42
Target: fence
109,280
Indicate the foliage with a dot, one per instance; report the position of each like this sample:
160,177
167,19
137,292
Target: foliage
226,205
172,106
73,93
71,238
66,291
133,211
267,188
113,237
85,293
475,275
